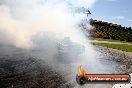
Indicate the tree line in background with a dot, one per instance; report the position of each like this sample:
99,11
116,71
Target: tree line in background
109,31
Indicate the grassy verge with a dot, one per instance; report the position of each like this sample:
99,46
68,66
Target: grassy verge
123,47
109,40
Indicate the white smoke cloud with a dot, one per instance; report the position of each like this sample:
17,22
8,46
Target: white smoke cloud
12,31
19,19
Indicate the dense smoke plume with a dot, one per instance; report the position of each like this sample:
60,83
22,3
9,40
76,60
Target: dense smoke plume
50,26
20,20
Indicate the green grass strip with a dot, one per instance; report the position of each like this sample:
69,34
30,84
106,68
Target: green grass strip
109,40
123,47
